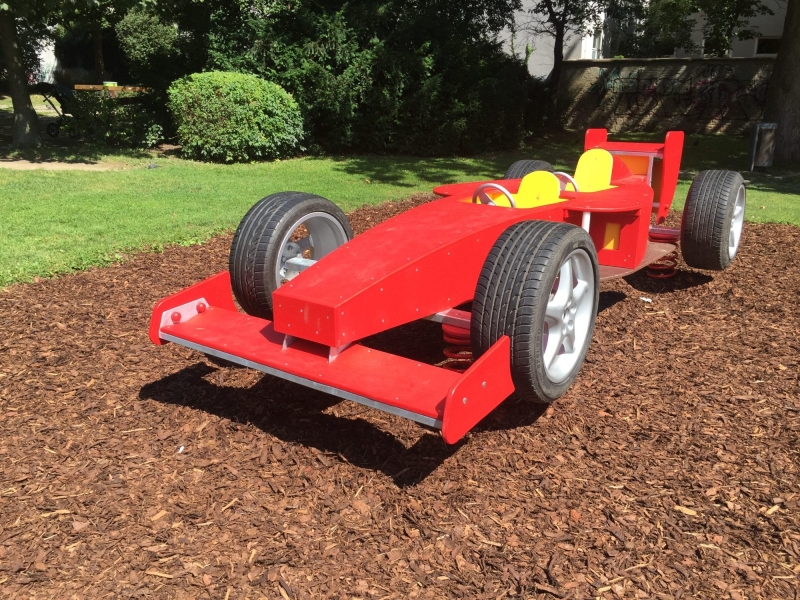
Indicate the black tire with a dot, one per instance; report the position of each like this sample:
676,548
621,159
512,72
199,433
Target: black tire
258,244
512,295
519,169
53,129
712,222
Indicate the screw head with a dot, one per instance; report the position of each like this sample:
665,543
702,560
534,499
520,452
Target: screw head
464,401
201,307
176,317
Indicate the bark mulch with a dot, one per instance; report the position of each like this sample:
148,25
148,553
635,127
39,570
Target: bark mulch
669,470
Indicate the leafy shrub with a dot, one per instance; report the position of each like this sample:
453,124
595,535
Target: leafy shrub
151,48
122,121
418,78
228,117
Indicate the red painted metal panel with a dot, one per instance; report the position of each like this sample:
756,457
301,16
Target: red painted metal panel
595,138
634,147
479,391
393,380
414,265
216,290
670,169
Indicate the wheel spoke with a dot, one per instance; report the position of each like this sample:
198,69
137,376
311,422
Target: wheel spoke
565,285
579,291
555,309
569,341
555,339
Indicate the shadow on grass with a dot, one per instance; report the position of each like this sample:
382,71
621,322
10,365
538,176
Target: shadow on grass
563,150
61,149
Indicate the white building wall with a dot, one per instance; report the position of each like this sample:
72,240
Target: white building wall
576,47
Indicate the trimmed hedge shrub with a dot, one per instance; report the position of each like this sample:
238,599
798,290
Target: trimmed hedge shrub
127,121
232,117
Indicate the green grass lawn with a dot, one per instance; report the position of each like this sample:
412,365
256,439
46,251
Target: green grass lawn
56,221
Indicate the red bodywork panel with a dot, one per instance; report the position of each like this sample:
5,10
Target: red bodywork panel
419,263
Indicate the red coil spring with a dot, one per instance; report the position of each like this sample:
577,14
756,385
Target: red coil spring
459,349
665,267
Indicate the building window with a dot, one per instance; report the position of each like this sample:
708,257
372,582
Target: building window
597,44
768,45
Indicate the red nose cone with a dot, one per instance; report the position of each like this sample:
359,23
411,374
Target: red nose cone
176,317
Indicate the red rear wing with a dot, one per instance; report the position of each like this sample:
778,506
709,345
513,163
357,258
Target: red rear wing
659,162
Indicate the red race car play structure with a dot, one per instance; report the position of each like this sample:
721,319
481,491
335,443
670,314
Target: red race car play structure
527,251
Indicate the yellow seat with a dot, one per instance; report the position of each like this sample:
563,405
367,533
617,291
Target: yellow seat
538,188
593,172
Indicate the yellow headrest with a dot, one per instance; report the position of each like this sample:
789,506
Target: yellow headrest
593,172
538,189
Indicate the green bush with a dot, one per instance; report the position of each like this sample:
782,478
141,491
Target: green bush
230,117
375,76
151,48
125,120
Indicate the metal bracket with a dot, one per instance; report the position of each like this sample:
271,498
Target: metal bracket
287,341
334,352
452,316
184,312
294,266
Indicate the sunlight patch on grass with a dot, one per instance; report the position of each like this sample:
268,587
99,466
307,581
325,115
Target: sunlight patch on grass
56,221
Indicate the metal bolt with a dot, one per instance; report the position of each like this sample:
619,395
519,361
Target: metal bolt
464,400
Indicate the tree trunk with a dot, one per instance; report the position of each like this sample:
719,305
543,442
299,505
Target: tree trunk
553,118
97,43
783,106
26,123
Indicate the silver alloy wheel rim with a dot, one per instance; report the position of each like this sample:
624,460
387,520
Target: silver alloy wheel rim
737,223
568,316
325,234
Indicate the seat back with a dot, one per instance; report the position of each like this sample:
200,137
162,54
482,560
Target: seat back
538,188
593,172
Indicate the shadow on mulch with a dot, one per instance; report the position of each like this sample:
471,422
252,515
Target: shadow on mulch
294,413
683,280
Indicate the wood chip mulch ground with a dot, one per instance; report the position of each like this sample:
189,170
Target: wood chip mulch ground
669,470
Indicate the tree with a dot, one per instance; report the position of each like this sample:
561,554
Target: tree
95,16
784,89
557,18
728,20
664,26
26,124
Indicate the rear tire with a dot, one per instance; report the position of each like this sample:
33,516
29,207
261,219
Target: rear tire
711,228
263,242
519,169
539,286
53,130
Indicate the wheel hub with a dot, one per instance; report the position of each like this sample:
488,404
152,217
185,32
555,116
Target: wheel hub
568,316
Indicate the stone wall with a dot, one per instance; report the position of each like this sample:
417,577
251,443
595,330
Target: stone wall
692,94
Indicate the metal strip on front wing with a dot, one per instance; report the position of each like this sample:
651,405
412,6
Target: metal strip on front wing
400,412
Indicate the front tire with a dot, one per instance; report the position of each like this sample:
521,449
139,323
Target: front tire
279,227
519,169
540,286
713,218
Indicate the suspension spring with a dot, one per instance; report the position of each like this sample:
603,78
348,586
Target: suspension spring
666,266
459,348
